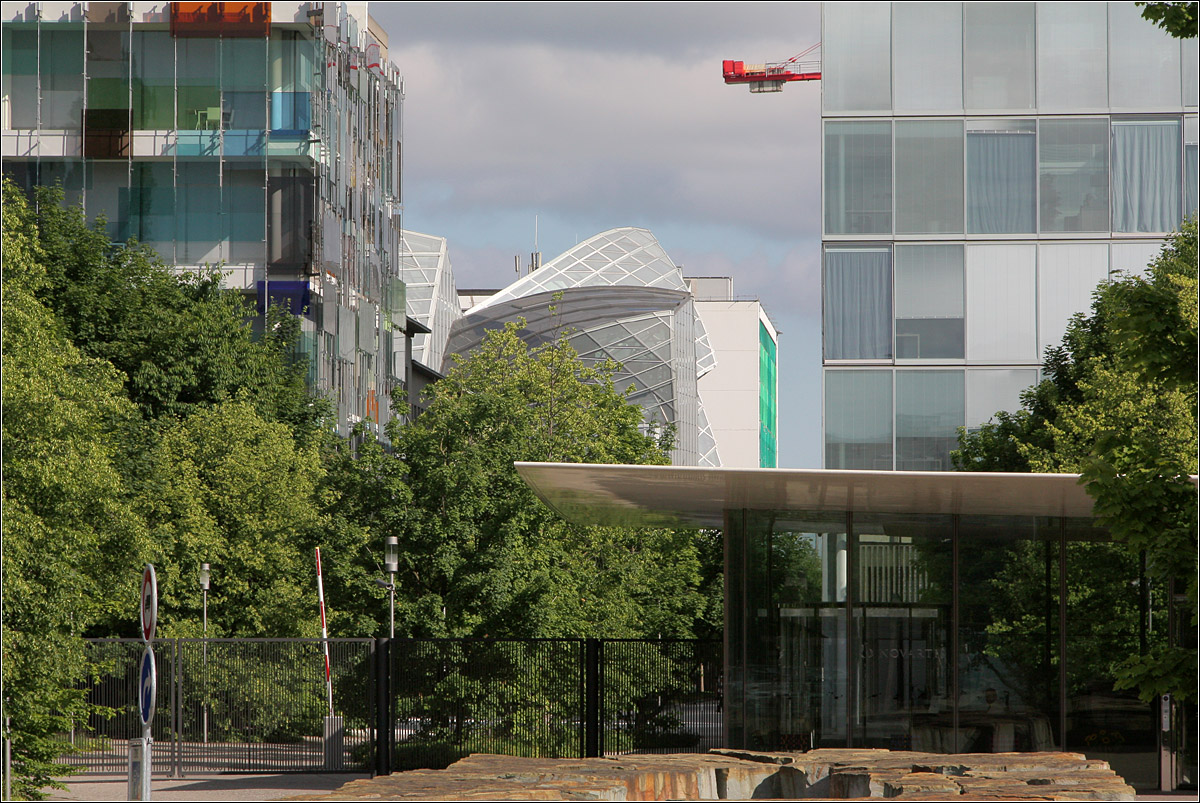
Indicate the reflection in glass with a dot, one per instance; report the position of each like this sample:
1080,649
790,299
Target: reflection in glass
1104,610
1008,634
929,301
929,177
929,411
1073,169
858,178
858,420
903,593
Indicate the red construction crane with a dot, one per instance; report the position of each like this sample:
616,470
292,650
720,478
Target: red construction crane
772,77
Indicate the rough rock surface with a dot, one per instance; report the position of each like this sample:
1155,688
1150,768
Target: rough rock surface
741,775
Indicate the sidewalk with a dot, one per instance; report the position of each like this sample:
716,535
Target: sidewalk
207,787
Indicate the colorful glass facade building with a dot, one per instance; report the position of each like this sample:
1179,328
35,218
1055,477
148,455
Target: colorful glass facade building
262,139
985,166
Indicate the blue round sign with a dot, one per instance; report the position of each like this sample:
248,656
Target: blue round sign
147,686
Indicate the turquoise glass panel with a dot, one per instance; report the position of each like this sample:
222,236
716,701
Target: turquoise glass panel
767,393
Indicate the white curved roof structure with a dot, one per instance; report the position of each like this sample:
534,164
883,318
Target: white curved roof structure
622,298
430,295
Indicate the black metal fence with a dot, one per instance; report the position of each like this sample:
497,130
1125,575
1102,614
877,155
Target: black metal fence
262,705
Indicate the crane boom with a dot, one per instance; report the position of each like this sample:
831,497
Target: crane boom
771,77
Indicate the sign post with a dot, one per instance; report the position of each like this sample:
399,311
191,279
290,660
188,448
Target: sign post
140,755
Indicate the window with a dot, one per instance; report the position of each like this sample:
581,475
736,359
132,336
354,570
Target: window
929,177
20,68
1145,175
858,304
1143,67
990,390
929,302
1001,301
858,178
1001,168
858,419
61,78
857,54
998,55
927,48
1067,275
929,411
1072,56
1073,170
153,54
1190,165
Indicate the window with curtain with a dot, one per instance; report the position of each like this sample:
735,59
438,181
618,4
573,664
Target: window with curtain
858,420
929,302
1001,171
929,177
1073,171
858,304
1145,175
929,411
858,177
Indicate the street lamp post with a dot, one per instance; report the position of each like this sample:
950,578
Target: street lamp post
204,578
391,560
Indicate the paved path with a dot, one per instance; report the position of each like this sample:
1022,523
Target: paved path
207,787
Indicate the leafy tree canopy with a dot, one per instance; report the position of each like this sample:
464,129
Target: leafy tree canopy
1177,19
1118,405
480,555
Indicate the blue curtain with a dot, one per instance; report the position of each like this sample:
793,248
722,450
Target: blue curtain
1145,176
858,304
1001,176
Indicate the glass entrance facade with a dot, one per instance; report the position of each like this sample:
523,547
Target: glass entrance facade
939,633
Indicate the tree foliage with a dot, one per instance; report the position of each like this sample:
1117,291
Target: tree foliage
1118,405
143,421
480,555
1177,19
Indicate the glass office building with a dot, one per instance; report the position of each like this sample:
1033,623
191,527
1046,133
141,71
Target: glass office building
985,166
260,138
941,612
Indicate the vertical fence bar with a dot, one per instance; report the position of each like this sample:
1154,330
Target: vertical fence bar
591,711
385,725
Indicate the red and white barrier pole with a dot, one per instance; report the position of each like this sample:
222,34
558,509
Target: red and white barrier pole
324,632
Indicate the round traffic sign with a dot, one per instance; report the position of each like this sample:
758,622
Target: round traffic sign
149,602
147,686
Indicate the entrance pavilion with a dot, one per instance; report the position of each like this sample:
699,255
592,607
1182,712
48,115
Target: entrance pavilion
934,611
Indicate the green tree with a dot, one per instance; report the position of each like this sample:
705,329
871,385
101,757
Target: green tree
233,490
1119,406
480,555
1177,19
180,340
70,524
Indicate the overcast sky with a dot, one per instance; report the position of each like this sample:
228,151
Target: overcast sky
592,116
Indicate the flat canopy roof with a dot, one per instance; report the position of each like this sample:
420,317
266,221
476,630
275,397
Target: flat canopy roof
679,495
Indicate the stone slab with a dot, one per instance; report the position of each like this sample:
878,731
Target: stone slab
827,774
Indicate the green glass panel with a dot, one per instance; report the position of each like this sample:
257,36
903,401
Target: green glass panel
243,64
767,395
153,78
